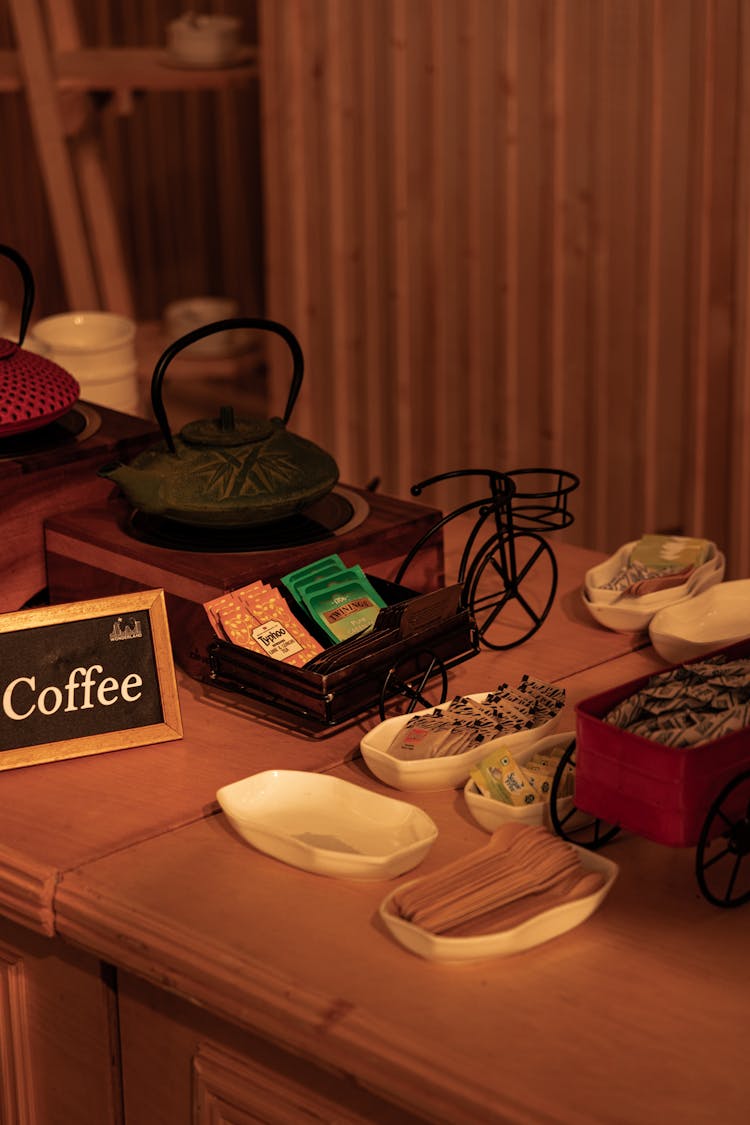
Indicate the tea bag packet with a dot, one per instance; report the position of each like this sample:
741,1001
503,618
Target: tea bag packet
338,598
346,607
500,777
549,699
237,625
690,704
214,606
421,738
435,734
464,723
257,617
656,560
547,763
307,590
669,552
277,632
539,777
331,564
528,705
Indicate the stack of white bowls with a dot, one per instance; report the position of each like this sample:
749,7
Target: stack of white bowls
98,349
627,613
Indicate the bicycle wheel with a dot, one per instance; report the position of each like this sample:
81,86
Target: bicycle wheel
409,680
570,822
509,588
723,844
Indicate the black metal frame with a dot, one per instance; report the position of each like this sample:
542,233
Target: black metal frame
518,514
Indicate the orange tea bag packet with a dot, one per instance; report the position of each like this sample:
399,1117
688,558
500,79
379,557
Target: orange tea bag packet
238,625
278,633
257,617
222,603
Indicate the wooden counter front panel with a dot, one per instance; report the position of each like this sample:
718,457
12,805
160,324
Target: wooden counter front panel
183,1066
58,1050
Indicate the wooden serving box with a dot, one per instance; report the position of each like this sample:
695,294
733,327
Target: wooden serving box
90,553
348,679
38,481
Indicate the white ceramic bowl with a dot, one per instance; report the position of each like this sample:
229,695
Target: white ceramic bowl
549,924
430,774
717,617
203,40
183,316
98,349
327,825
490,814
632,615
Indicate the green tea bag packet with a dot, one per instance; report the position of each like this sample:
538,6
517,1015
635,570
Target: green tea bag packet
345,609
669,552
331,564
309,589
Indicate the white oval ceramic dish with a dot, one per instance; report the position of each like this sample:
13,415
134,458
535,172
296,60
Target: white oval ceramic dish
490,814
633,615
431,774
549,924
327,825
715,618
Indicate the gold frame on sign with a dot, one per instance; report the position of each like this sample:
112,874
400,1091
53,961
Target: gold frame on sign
153,603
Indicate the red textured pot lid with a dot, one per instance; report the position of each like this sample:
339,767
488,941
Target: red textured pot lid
33,390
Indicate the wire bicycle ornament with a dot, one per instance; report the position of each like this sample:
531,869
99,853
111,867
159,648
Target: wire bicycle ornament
509,579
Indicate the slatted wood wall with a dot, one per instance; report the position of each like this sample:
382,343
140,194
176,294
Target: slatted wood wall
507,232
513,233
183,169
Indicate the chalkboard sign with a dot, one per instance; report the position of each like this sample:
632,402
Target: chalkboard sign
85,678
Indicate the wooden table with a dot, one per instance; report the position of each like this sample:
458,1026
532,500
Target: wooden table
155,966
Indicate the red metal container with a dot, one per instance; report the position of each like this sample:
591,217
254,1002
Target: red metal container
660,792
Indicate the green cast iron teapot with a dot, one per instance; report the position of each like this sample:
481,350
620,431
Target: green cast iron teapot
226,472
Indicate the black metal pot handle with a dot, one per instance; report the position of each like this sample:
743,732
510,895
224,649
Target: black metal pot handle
28,287
157,400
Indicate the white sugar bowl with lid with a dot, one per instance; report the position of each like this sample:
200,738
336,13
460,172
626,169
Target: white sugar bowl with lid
203,40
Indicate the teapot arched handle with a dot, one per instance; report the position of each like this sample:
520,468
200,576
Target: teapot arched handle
28,287
157,399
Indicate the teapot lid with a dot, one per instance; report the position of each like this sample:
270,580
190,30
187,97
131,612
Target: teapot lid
226,430
33,390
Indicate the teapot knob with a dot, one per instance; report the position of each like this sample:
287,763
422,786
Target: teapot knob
226,418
